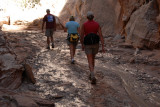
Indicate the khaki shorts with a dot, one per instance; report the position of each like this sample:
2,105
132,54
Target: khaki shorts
69,43
49,32
91,49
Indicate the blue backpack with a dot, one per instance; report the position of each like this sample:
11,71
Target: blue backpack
50,18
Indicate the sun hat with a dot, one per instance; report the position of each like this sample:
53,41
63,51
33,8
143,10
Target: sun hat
90,13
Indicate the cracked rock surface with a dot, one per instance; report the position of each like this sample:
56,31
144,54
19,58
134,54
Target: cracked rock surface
123,78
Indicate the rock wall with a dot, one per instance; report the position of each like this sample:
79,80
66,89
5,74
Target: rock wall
137,20
139,23
10,70
104,10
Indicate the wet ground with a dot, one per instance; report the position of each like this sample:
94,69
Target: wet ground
123,78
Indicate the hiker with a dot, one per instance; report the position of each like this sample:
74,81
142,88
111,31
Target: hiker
50,21
73,29
90,35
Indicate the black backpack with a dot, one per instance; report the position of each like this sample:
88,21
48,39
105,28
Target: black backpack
91,39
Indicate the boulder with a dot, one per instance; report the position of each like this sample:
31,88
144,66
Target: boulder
29,74
21,99
142,28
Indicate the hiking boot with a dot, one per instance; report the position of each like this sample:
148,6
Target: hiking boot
89,77
48,47
72,62
52,45
93,80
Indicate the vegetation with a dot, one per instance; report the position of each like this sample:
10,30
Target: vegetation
28,3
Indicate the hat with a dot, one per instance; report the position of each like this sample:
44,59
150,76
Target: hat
90,13
71,18
47,10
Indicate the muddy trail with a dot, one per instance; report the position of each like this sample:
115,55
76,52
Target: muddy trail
124,79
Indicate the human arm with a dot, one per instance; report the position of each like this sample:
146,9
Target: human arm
78,29
55,25
82,36
65,27
43,22
42,25
101,38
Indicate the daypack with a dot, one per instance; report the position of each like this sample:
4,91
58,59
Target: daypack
50,18
91,39
74,37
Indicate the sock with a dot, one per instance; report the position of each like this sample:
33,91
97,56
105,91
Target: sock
72,59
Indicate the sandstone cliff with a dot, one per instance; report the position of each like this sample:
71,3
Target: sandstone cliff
137,20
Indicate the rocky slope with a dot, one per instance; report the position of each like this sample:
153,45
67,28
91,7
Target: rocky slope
126,24
123,77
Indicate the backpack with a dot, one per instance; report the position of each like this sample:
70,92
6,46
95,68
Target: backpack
50,18
91,39
74,37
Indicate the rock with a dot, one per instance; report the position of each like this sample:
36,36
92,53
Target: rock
20,99
9,62
11,79
134,19
125,45
23,101
137,51
132,60
142,29
117,37
158,18
79,9
11,71
29,74
32,87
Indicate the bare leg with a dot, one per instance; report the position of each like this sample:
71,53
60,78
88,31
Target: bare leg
91,63
52,39
90,58
74,50
71,51
48,41
93,58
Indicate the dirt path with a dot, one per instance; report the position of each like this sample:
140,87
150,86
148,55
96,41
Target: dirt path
120,83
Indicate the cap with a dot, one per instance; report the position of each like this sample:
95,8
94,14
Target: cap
47,10
90,13
71,18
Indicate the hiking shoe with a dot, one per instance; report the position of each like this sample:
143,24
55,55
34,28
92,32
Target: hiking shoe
93,80
72,62
89,77
52,45
48,47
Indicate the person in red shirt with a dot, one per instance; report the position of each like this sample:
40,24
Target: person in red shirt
91,28
50,21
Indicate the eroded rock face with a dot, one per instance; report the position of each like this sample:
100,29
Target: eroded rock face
105,11
137,20
10,70
142,28
15,99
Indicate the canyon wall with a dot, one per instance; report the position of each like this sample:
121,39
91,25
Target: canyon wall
137,20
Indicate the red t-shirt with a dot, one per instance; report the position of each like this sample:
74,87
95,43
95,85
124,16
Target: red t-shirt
50,21
91,27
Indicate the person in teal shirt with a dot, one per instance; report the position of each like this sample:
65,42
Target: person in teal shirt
73,28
